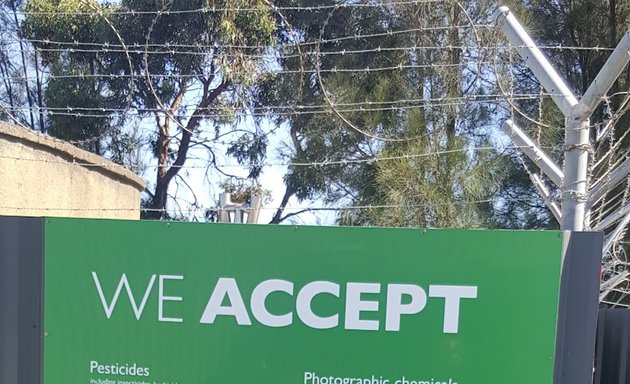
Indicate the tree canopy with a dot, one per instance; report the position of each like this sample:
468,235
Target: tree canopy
177,63
388,111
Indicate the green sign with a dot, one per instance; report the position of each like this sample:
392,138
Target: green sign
183,303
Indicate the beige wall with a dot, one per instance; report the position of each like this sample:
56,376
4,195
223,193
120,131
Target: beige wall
42,176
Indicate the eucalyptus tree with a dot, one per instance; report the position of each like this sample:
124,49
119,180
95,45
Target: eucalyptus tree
180,67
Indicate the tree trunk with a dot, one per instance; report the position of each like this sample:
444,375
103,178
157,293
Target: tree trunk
277,217
158,204
40,103
166,173
24,67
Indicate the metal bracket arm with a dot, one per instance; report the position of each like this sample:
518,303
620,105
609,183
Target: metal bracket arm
535,154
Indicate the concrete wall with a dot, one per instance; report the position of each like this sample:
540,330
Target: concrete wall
42,176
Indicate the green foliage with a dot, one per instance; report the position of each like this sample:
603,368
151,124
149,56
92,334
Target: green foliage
426,171
520,206
154,57
404,138
89,124
426,192
250,149
66,21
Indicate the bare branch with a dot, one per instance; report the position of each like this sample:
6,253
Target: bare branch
191,126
